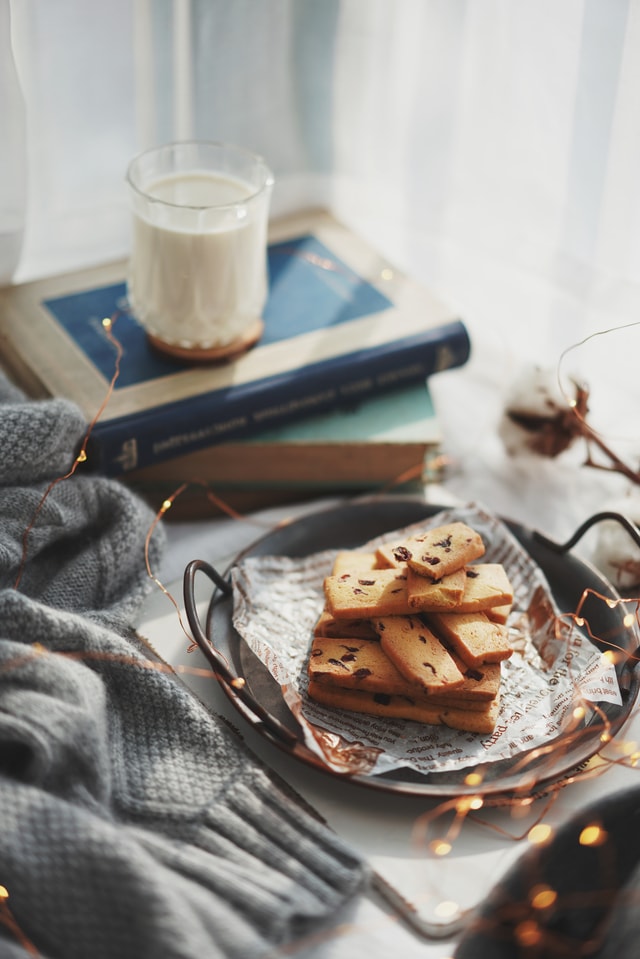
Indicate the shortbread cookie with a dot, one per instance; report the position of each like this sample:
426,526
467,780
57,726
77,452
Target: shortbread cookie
480,683
417,653
353,664
361,664
350,560
386,557
486,585
472,636
439,551
451,699
377,592
471,720
403,707
439,594
499,614
360,628
357,665
442,699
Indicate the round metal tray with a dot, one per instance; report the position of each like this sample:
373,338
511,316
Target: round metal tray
258,697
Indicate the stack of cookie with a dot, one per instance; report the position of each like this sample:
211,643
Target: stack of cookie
415,630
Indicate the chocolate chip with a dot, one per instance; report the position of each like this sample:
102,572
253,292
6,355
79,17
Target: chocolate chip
444,544
402,554
362,672
473,674
383,698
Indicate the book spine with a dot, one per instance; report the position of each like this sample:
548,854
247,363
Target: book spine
145,439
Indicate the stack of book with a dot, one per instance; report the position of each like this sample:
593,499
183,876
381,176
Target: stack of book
388,441
334,398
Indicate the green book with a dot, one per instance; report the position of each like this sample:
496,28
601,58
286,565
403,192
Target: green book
390,439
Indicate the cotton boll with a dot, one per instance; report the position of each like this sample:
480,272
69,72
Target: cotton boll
615,553
537,418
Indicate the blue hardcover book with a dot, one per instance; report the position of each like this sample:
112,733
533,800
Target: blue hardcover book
341,324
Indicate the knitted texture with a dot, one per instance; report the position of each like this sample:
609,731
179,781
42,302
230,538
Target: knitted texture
134,823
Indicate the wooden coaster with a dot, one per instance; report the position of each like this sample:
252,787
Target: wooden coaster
211,354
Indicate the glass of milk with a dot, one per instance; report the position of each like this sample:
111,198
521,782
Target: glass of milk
197,278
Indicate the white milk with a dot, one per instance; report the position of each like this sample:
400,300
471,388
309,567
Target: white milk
198,270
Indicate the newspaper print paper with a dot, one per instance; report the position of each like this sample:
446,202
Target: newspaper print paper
277,601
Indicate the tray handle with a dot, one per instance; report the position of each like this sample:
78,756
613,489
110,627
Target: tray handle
633,659
629,525
235,685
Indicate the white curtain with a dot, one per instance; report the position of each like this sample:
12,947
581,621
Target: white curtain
484,147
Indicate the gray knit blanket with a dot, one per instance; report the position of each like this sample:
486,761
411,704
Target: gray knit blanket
133,823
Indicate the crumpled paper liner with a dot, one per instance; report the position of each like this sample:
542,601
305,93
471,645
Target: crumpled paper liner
277,601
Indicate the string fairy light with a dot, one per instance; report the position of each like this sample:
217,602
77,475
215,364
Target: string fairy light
540,834
542,896
593,835
440,847
9,921
81,456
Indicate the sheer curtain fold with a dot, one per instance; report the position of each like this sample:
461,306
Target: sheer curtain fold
13,154
464,138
